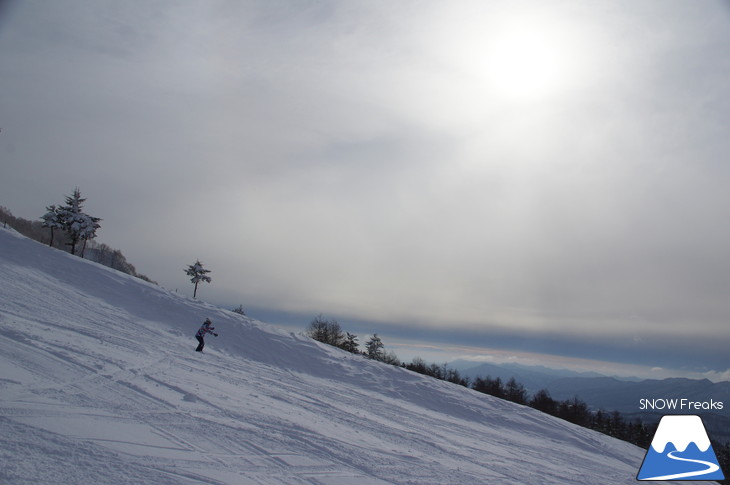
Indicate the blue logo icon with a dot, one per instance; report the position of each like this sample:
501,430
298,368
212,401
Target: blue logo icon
680,450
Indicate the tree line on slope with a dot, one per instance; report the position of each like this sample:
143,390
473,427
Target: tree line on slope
66,226
573,410
330,332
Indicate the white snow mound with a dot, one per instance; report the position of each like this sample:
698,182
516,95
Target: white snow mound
681,430
99,383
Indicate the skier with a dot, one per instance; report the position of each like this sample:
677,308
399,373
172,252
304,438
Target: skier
205,328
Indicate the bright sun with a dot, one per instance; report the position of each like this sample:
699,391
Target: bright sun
522,64
526,61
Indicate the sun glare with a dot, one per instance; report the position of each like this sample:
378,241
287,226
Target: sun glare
526,60
523,64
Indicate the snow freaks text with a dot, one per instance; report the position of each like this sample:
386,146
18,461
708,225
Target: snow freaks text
673,404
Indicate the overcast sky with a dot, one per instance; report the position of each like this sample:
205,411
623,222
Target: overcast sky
540,176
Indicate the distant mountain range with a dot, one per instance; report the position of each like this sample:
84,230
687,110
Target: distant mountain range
618,394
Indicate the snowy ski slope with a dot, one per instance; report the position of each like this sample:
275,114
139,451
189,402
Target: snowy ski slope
99,384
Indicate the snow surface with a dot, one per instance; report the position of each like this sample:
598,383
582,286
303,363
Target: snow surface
99,383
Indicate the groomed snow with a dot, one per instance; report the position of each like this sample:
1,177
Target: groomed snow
99,383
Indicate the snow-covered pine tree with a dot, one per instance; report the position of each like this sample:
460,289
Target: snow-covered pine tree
87,229
76,223
350,344
52,219
69,214
374,348
197,274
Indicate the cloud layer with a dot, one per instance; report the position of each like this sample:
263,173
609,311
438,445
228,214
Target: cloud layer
489,166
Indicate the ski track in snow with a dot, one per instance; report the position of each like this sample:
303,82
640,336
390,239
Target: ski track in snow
99,383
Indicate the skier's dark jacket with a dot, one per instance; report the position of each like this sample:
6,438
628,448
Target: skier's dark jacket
205,328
